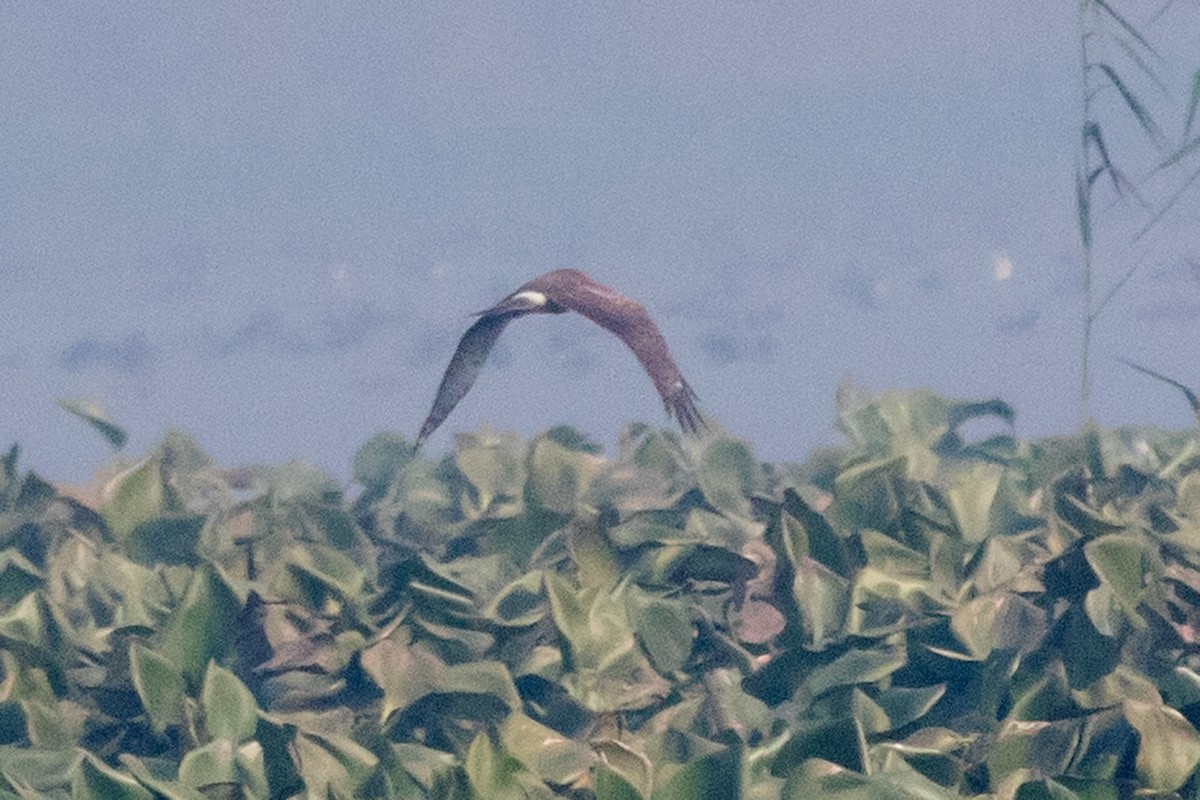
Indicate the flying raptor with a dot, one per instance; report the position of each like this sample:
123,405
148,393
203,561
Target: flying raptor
556,293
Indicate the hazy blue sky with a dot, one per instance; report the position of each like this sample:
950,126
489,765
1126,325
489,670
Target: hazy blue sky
267,223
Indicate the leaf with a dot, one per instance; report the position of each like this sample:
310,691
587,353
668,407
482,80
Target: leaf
611,785
728,474
495,467
94,415
229,709
971,498
1135,106
1000,621
492,772
1168,747
133,497
94,780
548,754
666,633
823,600
715,775
211,764
841,741
628,765
165,540
560,477
1045,748
380,460
1120,562
199,630
159,685
405,674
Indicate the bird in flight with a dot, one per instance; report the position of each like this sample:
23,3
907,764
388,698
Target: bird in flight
556,293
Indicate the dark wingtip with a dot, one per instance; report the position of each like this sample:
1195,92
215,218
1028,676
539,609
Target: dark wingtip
427,428
682,406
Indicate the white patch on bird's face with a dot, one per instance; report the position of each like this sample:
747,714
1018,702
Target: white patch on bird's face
536,299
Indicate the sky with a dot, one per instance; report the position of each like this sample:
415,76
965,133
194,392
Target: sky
268,224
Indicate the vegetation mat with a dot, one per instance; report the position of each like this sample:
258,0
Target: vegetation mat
916,614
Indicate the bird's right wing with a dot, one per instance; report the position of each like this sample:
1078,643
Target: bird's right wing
630,321
464,368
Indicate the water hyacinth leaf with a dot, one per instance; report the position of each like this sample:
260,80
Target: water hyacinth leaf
1000,621
320,572
665,631
230,711
493,773
593,621
906,705
628,762
520,603
405,674
333,765
1040,747
612,785
1088,521
379,460
421,496
1120,562
728,474
888,555
651,472
18,576
971,498
92,779
627,682
648,527
730,708
999,565
822,779
159,685
853,667
490,678
823,600
559,476
34,624
134,496
38,772
165,540
494,465
426,766
804,531
199,629
716,775
840,741
210,765
1087,654
94,415
1168,747
162,789
610,670
1105,740
868,495
54,723
673,565
590,550
551,756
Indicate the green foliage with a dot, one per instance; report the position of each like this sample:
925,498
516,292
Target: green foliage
914,615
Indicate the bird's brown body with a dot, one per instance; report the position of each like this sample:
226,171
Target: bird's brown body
556,293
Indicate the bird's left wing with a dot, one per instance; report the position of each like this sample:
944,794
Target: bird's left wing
464,368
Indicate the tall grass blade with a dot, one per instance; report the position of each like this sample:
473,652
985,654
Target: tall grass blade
1135,106
1191,396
